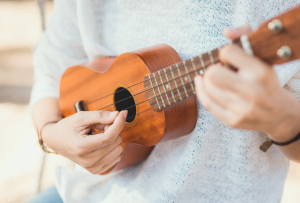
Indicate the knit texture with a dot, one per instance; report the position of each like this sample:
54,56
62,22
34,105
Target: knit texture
214,163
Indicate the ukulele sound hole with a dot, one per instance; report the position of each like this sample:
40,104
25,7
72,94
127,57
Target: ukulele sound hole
124,101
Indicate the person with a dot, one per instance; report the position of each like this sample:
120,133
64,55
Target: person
215,162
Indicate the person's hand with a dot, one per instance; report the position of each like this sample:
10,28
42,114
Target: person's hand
249,98
96,153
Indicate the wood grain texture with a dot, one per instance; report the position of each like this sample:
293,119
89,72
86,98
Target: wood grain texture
128,69
265,42
181,117
176,82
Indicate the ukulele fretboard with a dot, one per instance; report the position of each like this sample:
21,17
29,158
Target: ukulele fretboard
176,82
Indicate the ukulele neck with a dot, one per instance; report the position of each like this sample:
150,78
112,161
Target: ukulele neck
176,82
275,42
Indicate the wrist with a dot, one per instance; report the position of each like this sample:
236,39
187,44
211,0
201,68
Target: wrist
289,127
43,136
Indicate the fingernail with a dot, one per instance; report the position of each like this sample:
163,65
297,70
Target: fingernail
112,114
125,113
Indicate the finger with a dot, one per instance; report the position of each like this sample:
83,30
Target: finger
225,86
235,56
102,127
116,128
227,99
106,127
87,118
106,159
99,126
207,102
108,137
224,78
97,154
110,164
237,32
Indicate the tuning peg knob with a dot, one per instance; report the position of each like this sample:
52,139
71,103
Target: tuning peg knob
284,52
275,26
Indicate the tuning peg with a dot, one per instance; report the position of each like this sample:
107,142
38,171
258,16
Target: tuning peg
275,26
284,52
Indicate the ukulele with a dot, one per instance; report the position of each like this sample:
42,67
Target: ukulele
157,88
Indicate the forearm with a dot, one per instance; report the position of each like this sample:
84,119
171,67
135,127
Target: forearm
46,110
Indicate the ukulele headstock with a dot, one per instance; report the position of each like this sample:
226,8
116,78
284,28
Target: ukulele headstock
277,41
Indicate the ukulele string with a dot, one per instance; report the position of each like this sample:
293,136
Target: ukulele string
146,101
201,67
145,110
167,71
127,88
143,92
139,113
127,107
176,97
148,88
253,44
122,100
113,93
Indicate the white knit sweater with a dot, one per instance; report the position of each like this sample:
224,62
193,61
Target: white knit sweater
214,163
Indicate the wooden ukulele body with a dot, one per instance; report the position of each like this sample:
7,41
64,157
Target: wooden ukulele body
148,127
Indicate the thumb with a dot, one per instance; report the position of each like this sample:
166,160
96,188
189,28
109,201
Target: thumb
87,118
237,32
109,136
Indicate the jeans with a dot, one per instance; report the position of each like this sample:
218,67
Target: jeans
47,196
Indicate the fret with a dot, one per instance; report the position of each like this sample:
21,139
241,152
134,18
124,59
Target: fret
203,65
175,83
192,60
187,72
183,84
159,90
154,92
162,82
169,85
211,58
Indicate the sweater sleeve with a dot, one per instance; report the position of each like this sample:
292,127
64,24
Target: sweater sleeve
59,48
